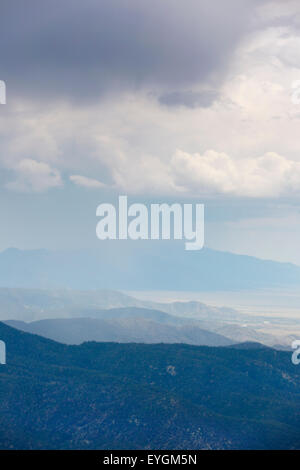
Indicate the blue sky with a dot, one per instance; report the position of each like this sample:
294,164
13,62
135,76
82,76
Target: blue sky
161,101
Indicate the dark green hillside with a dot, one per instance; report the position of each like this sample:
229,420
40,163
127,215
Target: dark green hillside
109,395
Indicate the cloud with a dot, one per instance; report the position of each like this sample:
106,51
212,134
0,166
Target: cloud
190,99
83,50
270,175
33,176
129,140
85,182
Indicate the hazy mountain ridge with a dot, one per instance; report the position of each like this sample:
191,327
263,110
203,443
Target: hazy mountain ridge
34,305
122,330
198,270
31,304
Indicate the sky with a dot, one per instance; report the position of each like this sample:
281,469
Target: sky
161,101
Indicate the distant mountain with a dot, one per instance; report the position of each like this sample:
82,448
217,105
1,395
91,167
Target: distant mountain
248,345
172,268
135,396
36,304
184,319
240,334
121,329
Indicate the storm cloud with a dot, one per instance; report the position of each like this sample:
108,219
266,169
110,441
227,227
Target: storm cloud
82,50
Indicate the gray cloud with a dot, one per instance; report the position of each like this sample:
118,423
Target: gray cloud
82,49
189,99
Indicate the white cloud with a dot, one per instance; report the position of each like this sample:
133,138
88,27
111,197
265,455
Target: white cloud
86,182
34,176
270,175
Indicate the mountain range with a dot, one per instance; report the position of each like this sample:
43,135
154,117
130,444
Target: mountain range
137,396
172,268
133,324
73,317
121,330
